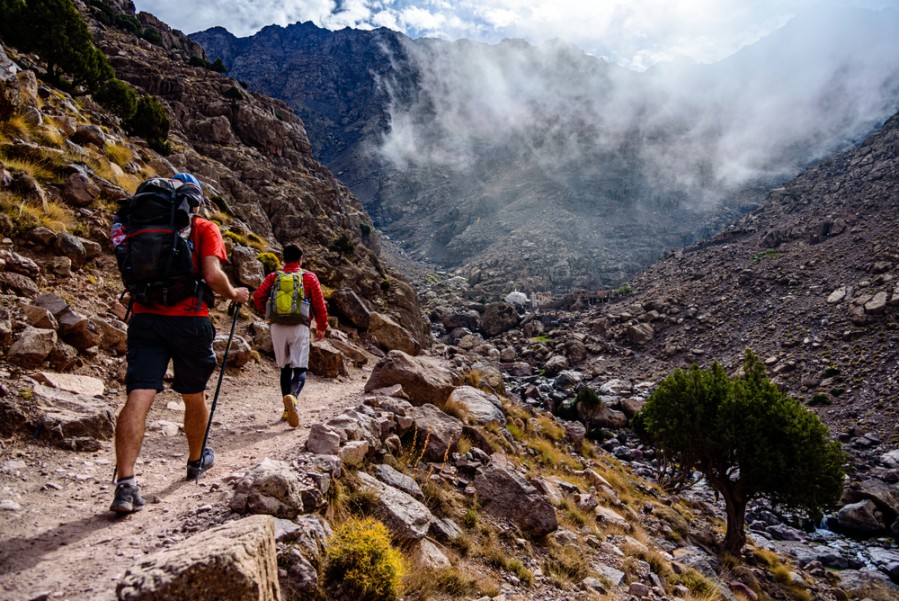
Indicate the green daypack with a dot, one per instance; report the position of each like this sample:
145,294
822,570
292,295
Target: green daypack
287,304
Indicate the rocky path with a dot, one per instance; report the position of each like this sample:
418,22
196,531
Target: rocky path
59,541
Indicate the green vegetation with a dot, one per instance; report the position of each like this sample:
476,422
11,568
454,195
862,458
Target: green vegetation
622,290
361,560
747,437
108,16
151,122
365,228
119,97
233,93
269,262
217,66
765,254
55,31
343,246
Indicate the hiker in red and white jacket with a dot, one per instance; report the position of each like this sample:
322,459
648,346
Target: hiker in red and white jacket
291,341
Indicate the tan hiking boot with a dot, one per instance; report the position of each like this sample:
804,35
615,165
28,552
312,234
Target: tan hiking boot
290,407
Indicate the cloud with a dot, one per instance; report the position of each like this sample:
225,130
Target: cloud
632,33
696,130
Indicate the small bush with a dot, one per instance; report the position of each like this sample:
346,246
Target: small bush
233,93
342,245
151,122
220,203
363,563
235,237
119,97
365,229
152,35
819,399
269,262
588,398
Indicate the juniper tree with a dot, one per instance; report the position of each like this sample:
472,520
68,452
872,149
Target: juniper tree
746,437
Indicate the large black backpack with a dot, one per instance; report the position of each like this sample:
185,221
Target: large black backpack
154,254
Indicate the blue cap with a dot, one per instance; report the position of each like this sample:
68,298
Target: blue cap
187,178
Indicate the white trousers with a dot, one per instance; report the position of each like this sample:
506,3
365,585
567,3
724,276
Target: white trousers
291,345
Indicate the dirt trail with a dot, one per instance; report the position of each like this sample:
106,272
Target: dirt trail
59,541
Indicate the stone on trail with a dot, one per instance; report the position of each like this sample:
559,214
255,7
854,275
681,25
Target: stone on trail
233,562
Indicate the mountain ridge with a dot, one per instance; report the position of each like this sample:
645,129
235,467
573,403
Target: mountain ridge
452,187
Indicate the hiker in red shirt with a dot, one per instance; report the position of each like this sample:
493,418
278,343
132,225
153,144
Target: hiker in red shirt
182,333
290,333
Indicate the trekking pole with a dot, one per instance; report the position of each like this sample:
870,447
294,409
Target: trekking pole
233,309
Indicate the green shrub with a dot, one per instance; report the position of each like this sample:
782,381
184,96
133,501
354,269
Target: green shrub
221,204
152,35
819,399
342,245
269,262
588,398
217,65
119,97
365,229
233,93
151,122
361,560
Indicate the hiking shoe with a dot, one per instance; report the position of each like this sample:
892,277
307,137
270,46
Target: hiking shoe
197,468
290,408
127,499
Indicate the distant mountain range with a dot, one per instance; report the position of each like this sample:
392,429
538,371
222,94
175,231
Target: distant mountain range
543,168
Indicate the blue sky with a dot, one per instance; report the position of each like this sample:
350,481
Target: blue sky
632,33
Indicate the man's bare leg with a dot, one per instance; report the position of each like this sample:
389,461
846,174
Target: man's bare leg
196,416
129,430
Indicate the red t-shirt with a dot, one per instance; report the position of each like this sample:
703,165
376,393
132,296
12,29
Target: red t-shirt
207,242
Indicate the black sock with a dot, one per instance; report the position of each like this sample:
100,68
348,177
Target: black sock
285,380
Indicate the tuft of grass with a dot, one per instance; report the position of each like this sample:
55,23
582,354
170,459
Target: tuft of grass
566,563
36,169
456,409
550,428
572,516
119,154
14,127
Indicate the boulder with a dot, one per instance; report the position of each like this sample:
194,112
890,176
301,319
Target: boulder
422,380
441,431
498,318
239,353
478,405
247,269
79,331
860,519
80,190
350,308
72,421
271,487
397,479
325,359
18,285
392,336
506,494
70,246
322,440
32,347
407,519
233,562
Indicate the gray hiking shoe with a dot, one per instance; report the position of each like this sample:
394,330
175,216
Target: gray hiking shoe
197,468
127,499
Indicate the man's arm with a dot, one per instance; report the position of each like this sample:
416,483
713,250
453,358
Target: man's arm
217,280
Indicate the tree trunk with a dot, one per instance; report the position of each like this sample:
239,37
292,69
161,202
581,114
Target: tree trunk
735,504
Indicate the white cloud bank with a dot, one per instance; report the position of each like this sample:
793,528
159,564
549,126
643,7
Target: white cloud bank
632,33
